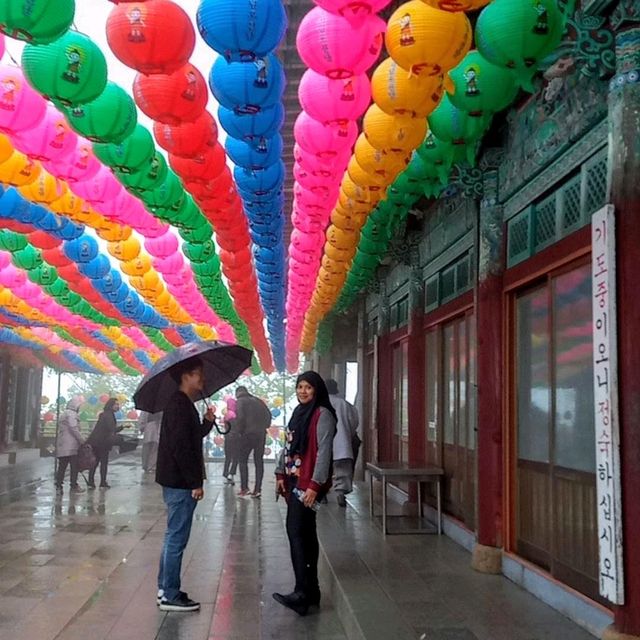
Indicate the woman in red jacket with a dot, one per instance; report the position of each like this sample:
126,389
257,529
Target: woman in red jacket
304,476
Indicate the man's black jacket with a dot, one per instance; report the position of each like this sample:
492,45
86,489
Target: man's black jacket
180,461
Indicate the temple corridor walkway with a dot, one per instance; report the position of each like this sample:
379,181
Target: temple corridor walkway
83,567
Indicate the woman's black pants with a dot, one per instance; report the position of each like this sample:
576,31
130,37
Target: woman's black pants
303,541
102,459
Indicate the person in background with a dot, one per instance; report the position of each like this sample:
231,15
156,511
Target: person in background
149,426
344,443
102,438
253,418
303,476
180,472
68,442
231,452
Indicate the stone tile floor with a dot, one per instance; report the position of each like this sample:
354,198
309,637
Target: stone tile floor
84,567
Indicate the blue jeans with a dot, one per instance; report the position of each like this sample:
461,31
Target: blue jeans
180,508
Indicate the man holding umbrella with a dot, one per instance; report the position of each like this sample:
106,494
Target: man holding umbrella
185,375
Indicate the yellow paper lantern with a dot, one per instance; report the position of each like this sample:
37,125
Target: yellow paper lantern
342,238
19,170
457,5
149,284
112,232
68,204
347,221
125,250
386,165
339,254
45,189
399,92
397,134
6,148
425,40
136,267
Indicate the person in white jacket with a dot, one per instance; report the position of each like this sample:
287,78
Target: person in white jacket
343,443
149,426
68,442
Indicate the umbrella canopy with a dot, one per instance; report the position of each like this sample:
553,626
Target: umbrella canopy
223,363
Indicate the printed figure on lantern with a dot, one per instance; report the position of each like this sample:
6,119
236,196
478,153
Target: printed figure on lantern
27,170
542,23
261,77
262,145
74,63
406,31
58,139
7,101
154,168
471,77
192,81
136,24
376,45
429,141
343,128
83,158
348,95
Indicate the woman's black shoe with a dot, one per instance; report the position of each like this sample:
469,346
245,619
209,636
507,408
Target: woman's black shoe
294,601
314,599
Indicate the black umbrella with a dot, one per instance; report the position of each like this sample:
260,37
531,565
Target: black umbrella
223,363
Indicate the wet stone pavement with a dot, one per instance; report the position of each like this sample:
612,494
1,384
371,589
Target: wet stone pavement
83,567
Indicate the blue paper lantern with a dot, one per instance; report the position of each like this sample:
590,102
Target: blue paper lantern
97,268
244,155
247,87
83,249
275,412
117,296
242,30
111,282
249,127
262,181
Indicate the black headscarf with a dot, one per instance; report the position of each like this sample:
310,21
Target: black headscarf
303,413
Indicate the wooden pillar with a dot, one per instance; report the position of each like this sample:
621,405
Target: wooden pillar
624,165
384,391
416,369
489,327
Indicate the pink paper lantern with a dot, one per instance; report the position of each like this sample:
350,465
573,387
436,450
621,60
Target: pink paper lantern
171,264
79,165
21,107
50,140
163,246
333,101
305,223
353,10
98,190
330,45
321,139
320,164
315,183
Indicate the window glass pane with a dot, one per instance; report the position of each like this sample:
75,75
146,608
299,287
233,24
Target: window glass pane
405,390
449,390
573,340
471,396
431,357
533,391
462,387
397,390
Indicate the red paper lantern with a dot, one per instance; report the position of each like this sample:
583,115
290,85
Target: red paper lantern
188,138
218,441
201,168
43,240
155,36
172,99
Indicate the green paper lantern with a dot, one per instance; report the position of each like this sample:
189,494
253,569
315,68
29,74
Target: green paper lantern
206,268
11,241
129,155
199,252
457,127
43,275
168,195
201,233
518,34
111,117
57,288
28,258
482,87
72,70
150,177
36,21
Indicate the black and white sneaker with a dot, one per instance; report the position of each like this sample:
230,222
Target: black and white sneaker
181,603
159,596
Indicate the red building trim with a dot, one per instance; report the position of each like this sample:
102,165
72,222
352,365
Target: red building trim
448,310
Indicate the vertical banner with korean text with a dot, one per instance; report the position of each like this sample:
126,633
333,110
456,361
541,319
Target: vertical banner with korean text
605,380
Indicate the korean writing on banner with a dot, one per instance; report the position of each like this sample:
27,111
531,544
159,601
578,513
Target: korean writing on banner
605,382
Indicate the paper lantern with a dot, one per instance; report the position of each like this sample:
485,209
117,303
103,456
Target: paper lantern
264,124
330,45
151,37
19,170
262,181
242,30
398,134
149,177
323,140
203,167
517,35
72,70
50,139
124,250
36,21
83,249
187,139
334,100
129,155
425,40
20,106
111,117
44,189
268,152
482,87
172,99
353,10
80,164
247,88
398,92
376,161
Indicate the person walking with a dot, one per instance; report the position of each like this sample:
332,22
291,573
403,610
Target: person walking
180,472
149,426
344,444
253,418
68,442
303,476
231,452
102,438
